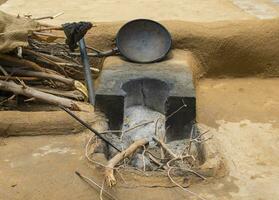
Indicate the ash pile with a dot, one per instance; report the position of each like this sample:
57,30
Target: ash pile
143,123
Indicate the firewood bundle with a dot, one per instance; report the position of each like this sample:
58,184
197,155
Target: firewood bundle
44,70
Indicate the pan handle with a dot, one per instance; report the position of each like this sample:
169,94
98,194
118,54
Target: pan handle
111,52
101,54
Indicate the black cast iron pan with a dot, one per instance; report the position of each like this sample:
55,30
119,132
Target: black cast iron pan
141,41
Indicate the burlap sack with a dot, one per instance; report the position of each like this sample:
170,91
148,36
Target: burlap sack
14,31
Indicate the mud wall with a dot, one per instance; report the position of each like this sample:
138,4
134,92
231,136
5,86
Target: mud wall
225,48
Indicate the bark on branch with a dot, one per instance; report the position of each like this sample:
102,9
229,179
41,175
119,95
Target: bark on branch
41,96
67,81
109,176
12,61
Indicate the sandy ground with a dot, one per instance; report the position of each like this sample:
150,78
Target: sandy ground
241,113
43,167
238,99
113,10
126,9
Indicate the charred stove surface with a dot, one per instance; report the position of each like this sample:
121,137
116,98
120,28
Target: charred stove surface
151,93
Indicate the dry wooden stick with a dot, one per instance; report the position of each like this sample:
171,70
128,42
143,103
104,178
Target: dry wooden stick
7,99
57,61
160,165
5,78
56,77
164,146
74,94
93,69
41,96
3,71
109,176
179,158
191,141
50,57
101,192
87,155
134,127
43,58
194,172
16,62
143,158
129,129
48,17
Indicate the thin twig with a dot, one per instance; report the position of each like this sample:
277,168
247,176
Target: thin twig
183,106
199,138
137,126
164,146
196,173
156,129
191,136
8,99
121,176
143,157
3,71
6,78
162,159
30,99
89,180
122,132
86,153
44,59
153,158
179,158
184,189
202,140
48,17
101,191
134,127
192,171
200,135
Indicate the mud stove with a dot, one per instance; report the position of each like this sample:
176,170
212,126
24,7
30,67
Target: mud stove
132,94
